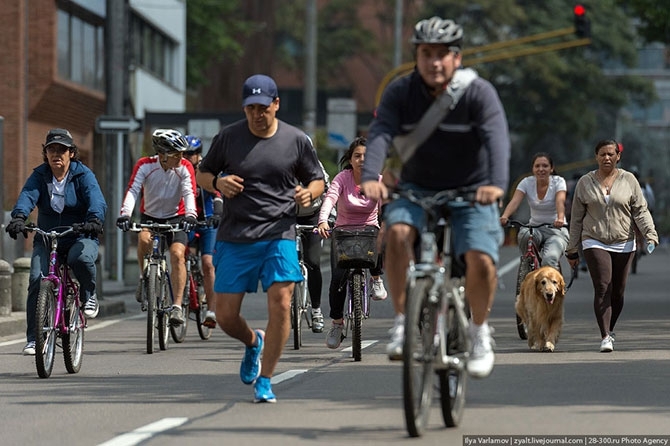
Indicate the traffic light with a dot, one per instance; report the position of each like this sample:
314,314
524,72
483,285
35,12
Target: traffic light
582,24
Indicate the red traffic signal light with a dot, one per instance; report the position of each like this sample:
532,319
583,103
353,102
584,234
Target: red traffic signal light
582,24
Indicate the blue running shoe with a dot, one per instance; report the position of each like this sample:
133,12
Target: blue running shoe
263,391
251,364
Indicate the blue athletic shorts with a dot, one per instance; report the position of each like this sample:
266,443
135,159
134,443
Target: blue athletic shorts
474,227
206,238
239,266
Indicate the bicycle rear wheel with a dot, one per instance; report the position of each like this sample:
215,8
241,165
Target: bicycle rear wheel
453,380
164,307
525,266
178,332
45,329
73,338
152,299
418,353
357,290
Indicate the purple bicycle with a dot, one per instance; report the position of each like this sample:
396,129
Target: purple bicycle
59,313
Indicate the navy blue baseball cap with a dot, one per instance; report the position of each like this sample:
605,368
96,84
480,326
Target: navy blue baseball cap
259,89
59,136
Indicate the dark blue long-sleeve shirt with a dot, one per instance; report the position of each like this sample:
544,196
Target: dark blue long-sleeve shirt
469,148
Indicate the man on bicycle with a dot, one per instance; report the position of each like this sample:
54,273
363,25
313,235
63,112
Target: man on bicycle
167,184
65,192
469,149
210,208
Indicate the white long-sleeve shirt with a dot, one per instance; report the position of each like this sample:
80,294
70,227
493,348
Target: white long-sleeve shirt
165,193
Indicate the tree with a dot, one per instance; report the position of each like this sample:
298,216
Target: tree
561,101
215,29
654,16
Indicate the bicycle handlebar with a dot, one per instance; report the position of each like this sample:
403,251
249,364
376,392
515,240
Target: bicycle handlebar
442,197
518,224
157,227
306,228
52,233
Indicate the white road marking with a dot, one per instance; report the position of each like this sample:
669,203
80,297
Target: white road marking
364,344
287,375
145,432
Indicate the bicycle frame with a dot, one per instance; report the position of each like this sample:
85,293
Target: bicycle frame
64,289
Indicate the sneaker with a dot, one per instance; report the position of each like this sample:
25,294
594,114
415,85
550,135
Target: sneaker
210,319
29,349
317,320
176,317
91,307
250,369
378,290
607,344
139,292
263,391
480,362
334,336
394,348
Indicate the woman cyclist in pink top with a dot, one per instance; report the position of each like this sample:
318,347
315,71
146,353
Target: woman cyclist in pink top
352,209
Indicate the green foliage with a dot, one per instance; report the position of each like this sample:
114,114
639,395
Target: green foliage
339,36
215,30
654,16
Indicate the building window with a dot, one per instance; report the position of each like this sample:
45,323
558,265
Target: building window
81,50
152,50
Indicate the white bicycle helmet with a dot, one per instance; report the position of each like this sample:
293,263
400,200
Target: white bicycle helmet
437,30
168,140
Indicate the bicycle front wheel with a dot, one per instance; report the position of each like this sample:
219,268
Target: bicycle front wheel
525,267
45,329
453,379
296,315
357,290
204,331
73,338
151,283
418,353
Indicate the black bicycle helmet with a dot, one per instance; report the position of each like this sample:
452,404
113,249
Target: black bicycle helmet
437,30
168,140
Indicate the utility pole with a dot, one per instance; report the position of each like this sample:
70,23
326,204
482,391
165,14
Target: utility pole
116,66
309,104
397,32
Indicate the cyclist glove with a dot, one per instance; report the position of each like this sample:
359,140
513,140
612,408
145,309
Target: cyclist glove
123,223
188,223
91,228
17,226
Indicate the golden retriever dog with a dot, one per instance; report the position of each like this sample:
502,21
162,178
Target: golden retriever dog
540,306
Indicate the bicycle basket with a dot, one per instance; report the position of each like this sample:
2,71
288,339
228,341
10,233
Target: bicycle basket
355,246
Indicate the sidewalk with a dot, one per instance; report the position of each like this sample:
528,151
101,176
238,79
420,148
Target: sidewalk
112,304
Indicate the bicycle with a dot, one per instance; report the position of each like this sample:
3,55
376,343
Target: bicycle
530,261
59,313
194,302
355,250
300,304
157,285
436,318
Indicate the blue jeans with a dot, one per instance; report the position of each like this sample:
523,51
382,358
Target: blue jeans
550,241
81,256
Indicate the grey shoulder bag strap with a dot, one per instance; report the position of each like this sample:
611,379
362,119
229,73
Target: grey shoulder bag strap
405,145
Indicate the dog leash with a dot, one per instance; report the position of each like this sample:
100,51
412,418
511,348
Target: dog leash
572,279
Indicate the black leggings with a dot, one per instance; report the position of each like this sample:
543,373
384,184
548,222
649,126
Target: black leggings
609,272
311,246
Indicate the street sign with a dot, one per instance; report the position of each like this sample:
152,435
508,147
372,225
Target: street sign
117,124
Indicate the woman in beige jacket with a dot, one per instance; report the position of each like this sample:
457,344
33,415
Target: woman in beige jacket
607,205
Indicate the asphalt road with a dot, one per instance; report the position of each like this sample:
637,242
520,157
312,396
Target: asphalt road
191,393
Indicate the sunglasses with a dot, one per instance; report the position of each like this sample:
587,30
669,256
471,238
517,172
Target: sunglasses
172,155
